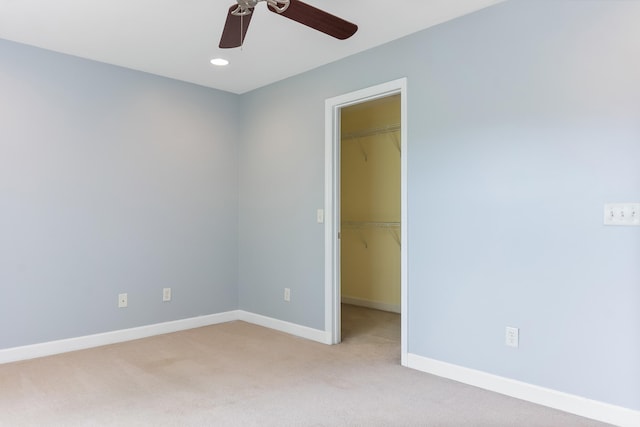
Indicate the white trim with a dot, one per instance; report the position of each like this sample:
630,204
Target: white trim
404,229
573,404
331,226
51,348
332,207
287,327
89,341
361,302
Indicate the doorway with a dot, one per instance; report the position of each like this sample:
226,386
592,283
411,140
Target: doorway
371,227
370,210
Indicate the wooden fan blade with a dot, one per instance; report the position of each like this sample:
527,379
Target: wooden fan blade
235,29
318,19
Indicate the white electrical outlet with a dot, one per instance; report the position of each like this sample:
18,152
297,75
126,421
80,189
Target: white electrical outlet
287,294
122,300
320,216
512,337
166,294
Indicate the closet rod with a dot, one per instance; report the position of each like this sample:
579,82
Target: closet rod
371,132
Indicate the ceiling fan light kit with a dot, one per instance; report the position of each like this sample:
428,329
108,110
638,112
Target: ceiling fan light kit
239,17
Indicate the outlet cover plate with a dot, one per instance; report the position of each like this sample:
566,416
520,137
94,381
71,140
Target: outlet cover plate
512,337
122,300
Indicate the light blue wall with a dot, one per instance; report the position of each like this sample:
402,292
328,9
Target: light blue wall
524,119
531,124
111,181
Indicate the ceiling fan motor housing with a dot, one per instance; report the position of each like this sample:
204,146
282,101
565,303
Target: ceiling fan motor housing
245,7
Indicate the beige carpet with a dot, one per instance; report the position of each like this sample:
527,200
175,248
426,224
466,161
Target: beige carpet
237,374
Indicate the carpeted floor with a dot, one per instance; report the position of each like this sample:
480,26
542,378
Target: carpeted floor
238,374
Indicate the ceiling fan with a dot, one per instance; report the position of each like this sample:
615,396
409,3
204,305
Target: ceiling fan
239,17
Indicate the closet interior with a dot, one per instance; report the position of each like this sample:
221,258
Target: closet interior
370,174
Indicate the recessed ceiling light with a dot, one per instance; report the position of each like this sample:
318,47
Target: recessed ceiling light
220,62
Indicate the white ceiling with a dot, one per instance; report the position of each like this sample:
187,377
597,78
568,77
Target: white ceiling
178,38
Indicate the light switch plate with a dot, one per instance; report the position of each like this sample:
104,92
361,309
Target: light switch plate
622,214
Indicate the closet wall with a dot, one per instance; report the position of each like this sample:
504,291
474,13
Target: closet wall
370,204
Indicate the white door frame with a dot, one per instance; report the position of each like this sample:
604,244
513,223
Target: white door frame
332,203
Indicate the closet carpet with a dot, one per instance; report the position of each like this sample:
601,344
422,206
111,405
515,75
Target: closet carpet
238,374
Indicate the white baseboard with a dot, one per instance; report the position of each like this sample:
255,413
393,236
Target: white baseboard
393,308
287,327
89,341
51,348
577,405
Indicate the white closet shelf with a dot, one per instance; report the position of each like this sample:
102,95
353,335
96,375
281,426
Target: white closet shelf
392,227
369,224
371,132
358,136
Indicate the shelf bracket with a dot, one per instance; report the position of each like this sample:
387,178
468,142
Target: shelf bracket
396,140
362,150
396,236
